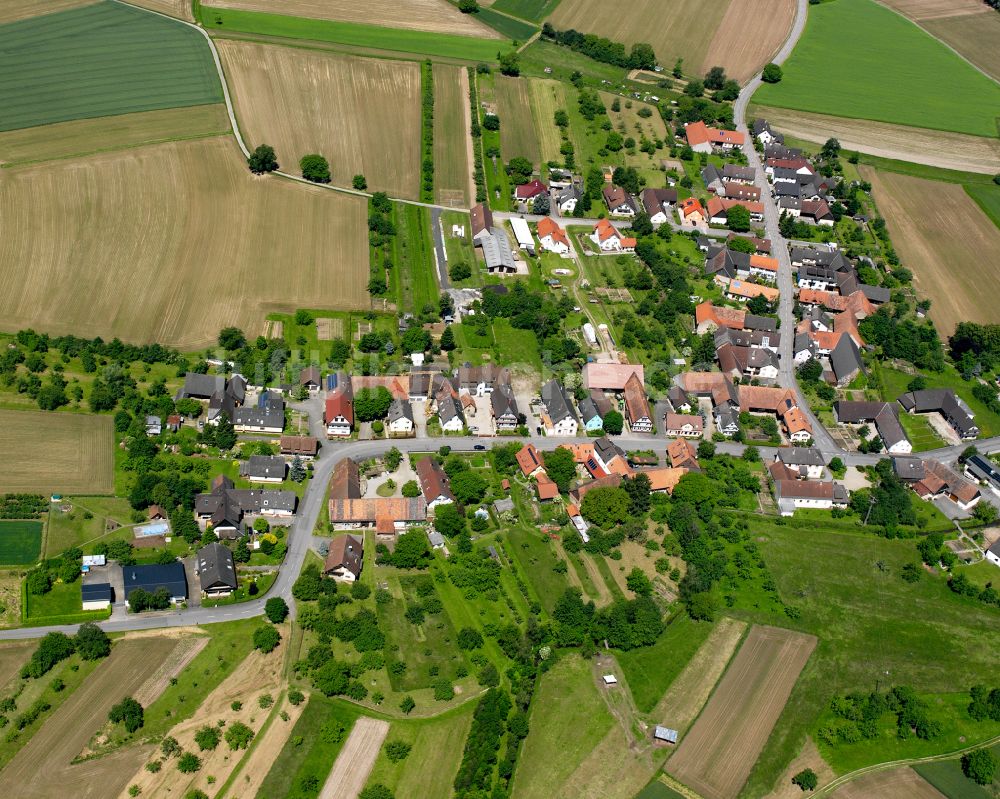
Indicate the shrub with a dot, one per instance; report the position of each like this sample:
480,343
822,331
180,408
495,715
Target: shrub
266,639
188,763
91,642
771,74
397,750
276,609
53,648
238,736
129,712
315,168
980,766
207,737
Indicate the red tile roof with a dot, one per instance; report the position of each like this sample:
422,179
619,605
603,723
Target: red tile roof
547,227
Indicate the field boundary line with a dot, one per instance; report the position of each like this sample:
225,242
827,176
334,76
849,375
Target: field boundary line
679,786
268,722
891,764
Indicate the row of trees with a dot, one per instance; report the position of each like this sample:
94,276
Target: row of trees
427,131
90,643
599,48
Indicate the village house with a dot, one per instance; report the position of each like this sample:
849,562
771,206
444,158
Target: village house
154,576
552,237
559,418
216,570
882,415
683,425
503,408
480,381
981,469
225,508
310,379
399,418
692,214
338,412
530,190
267,415
528,461
223,395
703,139
682,454
609,238
940,481
305,447
943,401
719,208
637,413
264,469
791,495
434,483
567,199
806,462
619,202
345,558
763,133
658,203
679,401
350,510
449,412
589,415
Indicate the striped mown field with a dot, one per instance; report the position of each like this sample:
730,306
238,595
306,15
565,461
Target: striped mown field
101,60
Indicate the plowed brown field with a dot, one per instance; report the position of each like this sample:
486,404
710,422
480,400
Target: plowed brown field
170,243
718,753
361,113
941,235
749,34
903,783
354,763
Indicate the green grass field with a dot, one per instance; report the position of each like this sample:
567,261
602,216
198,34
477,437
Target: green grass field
568,720
306,755
20,542
918,429
61,605
430,768
651,669
858,59
657,790
513,29
987,197
536,559
413,274
101,60
872,625
445,45
533,10
947,777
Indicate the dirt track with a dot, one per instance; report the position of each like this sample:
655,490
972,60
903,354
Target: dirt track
356,759
917,145
903,783
736,722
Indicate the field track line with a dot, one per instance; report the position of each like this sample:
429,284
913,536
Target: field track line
231,111
831,786
355,761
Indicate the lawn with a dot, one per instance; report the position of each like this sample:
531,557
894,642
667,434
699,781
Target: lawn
568,720
534,556
101,60
858,59
517,347
650,670
460,250
425,43
306,754
413,272
918,429
430,768
20,542
872,625
61,605
533,10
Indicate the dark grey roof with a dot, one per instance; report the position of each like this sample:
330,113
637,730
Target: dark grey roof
785,189
588,409
96,592
264,467
400,409
852,412
216,569
156,575
503,402
983,469
710,174
910,469
606,449
678,397
889,429
800,456
199,386
449,408
876,293
845,360
727,262
803,343
780,151
557,404
737,172
752,322
271,414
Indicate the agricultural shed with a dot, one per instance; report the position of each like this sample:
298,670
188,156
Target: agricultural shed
150,577
665,734
96,596
610,679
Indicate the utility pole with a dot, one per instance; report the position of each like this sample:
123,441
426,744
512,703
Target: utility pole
871,504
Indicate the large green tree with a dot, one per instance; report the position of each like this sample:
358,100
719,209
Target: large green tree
315,168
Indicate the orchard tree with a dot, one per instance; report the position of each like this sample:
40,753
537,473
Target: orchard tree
266,639
129,712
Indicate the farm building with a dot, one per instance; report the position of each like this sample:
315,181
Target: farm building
522,234
344,559
151,577
216,570
264,469
979,468
993,554
665,734
303,446
610,376
96,596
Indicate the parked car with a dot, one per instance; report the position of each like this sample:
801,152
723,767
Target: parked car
479,447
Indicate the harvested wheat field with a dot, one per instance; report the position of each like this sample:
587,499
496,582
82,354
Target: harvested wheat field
946,257
436,16
689,692
361,113
257,675
42,768
675,28
89,136
918,145
517,128
452,142
920,10
613,770
12,657
902,783
44,452
13,10
737,721
170,243
750,33
254,769
975,36
181,9
355,761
